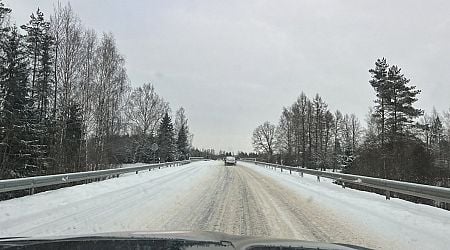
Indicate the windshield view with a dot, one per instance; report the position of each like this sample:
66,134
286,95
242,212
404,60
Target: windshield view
312,124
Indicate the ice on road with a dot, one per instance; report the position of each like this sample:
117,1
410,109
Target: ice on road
207,196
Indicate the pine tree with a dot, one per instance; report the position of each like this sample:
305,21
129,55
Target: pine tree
378,82
166,144
400,112
394,114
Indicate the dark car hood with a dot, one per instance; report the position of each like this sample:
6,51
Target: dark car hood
232,241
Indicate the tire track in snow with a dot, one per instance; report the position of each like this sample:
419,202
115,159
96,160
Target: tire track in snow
239,200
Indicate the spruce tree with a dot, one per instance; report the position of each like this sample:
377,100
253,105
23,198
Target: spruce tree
166,144
182,143
40,50
16,132
73,138
3,35
44,79
34,30
4,11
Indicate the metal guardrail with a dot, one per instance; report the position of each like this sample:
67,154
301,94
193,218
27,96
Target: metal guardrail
439,194
197,158
48,180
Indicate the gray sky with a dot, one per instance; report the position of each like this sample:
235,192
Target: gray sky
235,64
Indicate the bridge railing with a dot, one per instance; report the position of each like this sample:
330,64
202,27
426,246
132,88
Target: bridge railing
41,181
197,158
439,194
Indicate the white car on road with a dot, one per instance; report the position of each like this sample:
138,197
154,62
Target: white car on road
230,160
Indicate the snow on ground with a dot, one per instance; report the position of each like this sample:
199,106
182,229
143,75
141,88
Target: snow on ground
243,199
402,223
99,206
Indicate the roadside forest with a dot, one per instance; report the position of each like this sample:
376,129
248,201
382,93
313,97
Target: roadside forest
67,105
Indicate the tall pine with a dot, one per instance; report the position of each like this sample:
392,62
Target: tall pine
396,153
378,82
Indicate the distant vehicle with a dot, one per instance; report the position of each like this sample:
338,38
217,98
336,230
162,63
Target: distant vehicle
230,160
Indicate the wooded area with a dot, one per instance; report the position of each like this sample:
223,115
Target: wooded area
398,142
66,103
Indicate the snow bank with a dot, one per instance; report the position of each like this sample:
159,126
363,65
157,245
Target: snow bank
110,205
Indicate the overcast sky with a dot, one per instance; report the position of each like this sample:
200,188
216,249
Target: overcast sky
235,64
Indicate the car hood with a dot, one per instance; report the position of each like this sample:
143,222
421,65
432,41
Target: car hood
230,241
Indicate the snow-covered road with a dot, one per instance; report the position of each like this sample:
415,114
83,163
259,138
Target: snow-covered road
245,199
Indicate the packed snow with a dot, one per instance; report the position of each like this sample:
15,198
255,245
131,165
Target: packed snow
400,223
245,199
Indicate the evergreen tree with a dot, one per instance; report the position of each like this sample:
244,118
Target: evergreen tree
44,80
400,112
40,50
73,138
166,144
3,35
34,30
378,82
16,139
182,143
4,11
395,140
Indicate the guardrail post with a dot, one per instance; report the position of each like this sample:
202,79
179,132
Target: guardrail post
281,169
388,195
318,178
343,184
137,172
290,171
301,174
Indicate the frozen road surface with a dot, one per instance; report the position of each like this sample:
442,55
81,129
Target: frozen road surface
244,199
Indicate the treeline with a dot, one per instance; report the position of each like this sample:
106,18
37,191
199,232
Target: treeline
66,103
309,135
399,142
210,153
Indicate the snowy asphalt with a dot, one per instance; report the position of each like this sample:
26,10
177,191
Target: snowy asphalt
205,196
